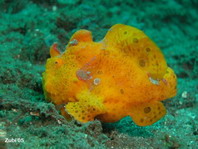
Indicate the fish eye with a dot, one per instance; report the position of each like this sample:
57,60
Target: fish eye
58,61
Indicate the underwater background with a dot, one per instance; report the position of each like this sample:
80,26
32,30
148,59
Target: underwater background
29,27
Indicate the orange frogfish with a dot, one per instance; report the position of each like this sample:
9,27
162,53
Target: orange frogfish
124,74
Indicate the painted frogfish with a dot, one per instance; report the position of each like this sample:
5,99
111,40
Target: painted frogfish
124,74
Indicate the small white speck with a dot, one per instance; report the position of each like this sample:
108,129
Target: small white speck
37,30
86,135
14,110
54,8
59,122
73,42
185,94
96,81
156,82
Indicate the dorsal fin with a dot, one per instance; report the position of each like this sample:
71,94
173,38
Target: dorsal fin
54,50
82,36
138,46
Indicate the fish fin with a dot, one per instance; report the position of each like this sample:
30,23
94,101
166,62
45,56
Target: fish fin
54,50
170,81
138,46
86,108
81,36
148,113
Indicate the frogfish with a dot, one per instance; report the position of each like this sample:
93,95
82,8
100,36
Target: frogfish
124,74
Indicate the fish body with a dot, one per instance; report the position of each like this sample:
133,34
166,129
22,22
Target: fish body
125,74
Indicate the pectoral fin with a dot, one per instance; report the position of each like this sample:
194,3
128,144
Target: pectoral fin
87,107
147,113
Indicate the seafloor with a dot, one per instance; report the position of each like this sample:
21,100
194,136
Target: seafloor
29,27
